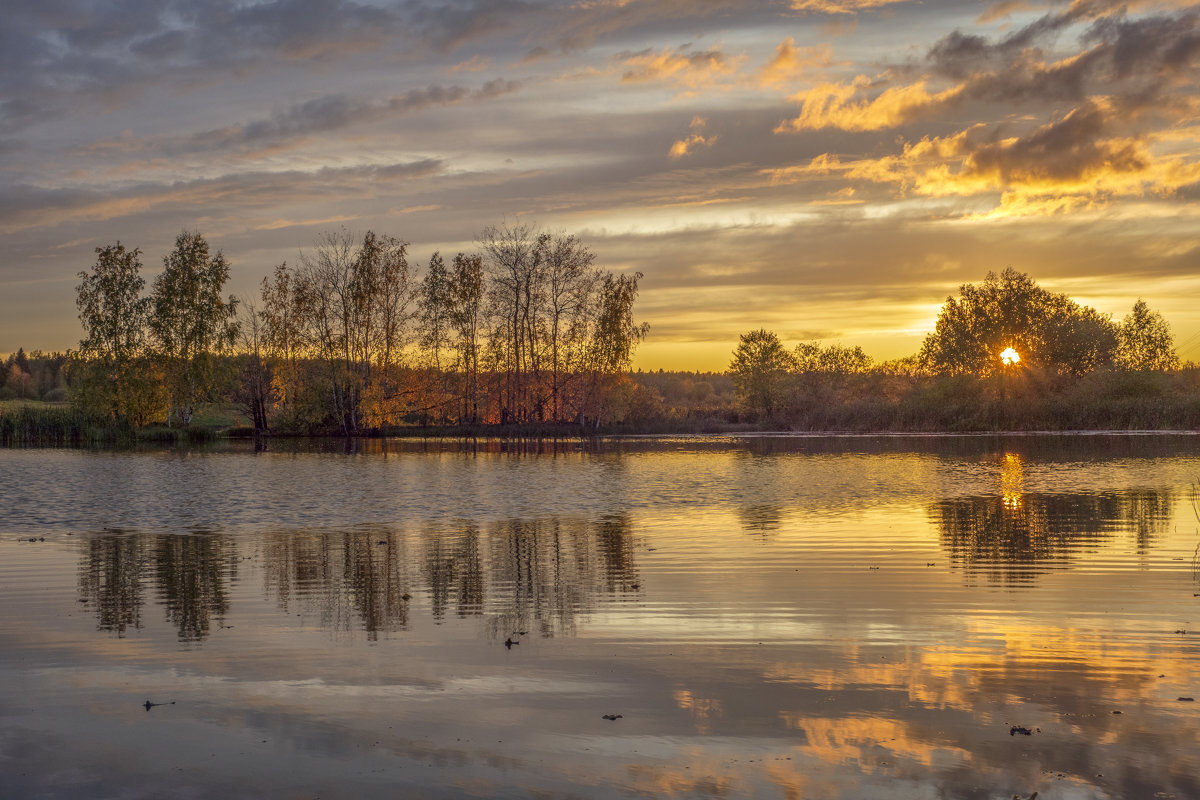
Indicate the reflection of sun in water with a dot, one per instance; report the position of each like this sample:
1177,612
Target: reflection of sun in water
1009,356
1012,479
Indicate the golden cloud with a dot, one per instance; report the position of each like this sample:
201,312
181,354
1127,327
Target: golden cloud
841,105
1070,164
840,6
789,62
682,65
697,139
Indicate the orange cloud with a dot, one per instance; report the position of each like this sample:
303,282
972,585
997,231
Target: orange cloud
1070,164
789,62
837,105
682,65
697,139
840,6
1002,9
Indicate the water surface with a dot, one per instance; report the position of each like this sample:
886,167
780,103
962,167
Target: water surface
791,617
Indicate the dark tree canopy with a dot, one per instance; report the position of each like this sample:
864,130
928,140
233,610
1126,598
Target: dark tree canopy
1145,340
1048,330
760,369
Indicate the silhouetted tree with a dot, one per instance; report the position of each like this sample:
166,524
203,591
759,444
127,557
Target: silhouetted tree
1011,310
467,317
514,265
1145,341
760,371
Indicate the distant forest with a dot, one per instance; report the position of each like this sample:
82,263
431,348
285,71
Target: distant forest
528,335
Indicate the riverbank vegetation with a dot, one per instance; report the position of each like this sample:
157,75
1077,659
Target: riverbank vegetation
528,337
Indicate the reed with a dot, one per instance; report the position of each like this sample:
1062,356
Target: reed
29,425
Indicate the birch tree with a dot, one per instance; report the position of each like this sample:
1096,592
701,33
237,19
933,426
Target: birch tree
191,322
110,375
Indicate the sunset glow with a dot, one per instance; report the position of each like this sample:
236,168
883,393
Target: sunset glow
832,169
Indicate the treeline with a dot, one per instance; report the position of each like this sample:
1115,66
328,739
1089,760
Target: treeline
527,332
1004,355
34,376
354,338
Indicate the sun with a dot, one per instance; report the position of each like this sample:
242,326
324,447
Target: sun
1009,356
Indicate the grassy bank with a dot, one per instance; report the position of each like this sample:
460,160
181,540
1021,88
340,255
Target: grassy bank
32,423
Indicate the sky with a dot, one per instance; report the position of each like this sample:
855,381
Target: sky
829,170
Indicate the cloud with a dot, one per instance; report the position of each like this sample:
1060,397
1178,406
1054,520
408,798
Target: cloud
1002,9
288,126
697,139
841,6
789,62
1133,63
833,105
681,65
28,207
1071,163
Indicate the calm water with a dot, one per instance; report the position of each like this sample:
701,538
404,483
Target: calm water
850,617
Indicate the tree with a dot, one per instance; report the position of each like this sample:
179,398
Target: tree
1144,341
435,309
353,308
760,369
466,296
513,259
1011,310
111,377
254,384
614,338
19,381
835,358
571,280
191,322
282,340
436,330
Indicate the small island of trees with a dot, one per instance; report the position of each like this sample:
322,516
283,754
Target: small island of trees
528,336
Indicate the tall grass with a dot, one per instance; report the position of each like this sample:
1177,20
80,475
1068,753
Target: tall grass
57,425
30,425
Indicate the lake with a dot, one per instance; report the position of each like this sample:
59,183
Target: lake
767,617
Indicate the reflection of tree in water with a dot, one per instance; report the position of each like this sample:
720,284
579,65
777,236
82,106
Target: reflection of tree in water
1013,538
613,533
110,580
453,569
191,574
341,575
536,575
762,520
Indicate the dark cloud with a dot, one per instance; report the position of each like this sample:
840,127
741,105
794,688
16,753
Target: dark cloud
19,113
1134,60
1070,149
25,206
317,116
